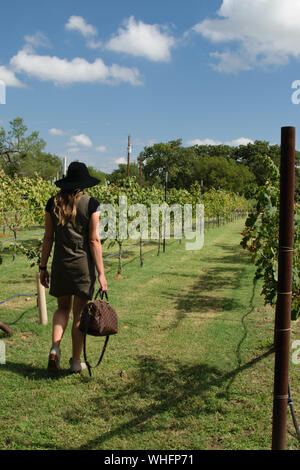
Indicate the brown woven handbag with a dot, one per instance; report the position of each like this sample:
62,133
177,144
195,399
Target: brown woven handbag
98,319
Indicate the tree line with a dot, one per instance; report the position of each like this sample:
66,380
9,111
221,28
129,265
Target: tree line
212,166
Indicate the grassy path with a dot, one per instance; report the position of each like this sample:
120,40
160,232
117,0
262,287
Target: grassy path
193,348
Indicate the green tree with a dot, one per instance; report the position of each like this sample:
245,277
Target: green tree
97,174
46,165
171,157
186,165
250,155
15,146
214,150
116,176
23,154
222,172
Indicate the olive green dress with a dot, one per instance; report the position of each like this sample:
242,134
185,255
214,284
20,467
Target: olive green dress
73,271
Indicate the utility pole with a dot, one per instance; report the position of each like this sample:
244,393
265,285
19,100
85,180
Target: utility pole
166,185
140,168
65,167
128,157
284,288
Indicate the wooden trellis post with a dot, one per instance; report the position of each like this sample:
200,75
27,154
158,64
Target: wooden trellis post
284,290
41,299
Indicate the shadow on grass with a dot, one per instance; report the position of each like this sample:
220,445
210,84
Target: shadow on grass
130,256
33,373
28,243
30,310
181,390
243,339
204,295
236,254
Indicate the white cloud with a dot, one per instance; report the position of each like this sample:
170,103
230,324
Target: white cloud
9,78
77,23
7,73
240,141
264,32
135,38
142,40
74,150
78,70
203,142
80,139
231,62
54,131
120,160
37,40
90,32
101,148
92,44
232,143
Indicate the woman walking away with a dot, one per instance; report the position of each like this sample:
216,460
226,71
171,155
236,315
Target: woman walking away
72,220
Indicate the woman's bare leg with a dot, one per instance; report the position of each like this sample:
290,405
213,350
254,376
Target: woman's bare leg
60,318
77,338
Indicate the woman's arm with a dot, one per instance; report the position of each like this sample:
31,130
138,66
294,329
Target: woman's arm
46,248
96,248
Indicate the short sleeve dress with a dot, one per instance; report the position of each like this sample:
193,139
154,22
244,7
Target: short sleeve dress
73,271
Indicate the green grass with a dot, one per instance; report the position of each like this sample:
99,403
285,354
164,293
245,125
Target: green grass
194,348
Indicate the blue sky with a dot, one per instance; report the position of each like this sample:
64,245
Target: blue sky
87,74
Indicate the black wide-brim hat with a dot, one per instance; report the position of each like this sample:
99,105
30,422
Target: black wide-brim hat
78,177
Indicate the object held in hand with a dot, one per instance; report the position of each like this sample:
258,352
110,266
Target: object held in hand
98,319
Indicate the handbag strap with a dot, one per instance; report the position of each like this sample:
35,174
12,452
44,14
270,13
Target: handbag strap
101,355
101,293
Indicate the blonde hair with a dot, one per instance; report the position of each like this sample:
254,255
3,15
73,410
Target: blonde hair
65,206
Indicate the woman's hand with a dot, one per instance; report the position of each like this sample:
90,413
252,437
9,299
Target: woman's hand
44,278
103,282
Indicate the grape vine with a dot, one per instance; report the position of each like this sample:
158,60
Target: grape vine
261,238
